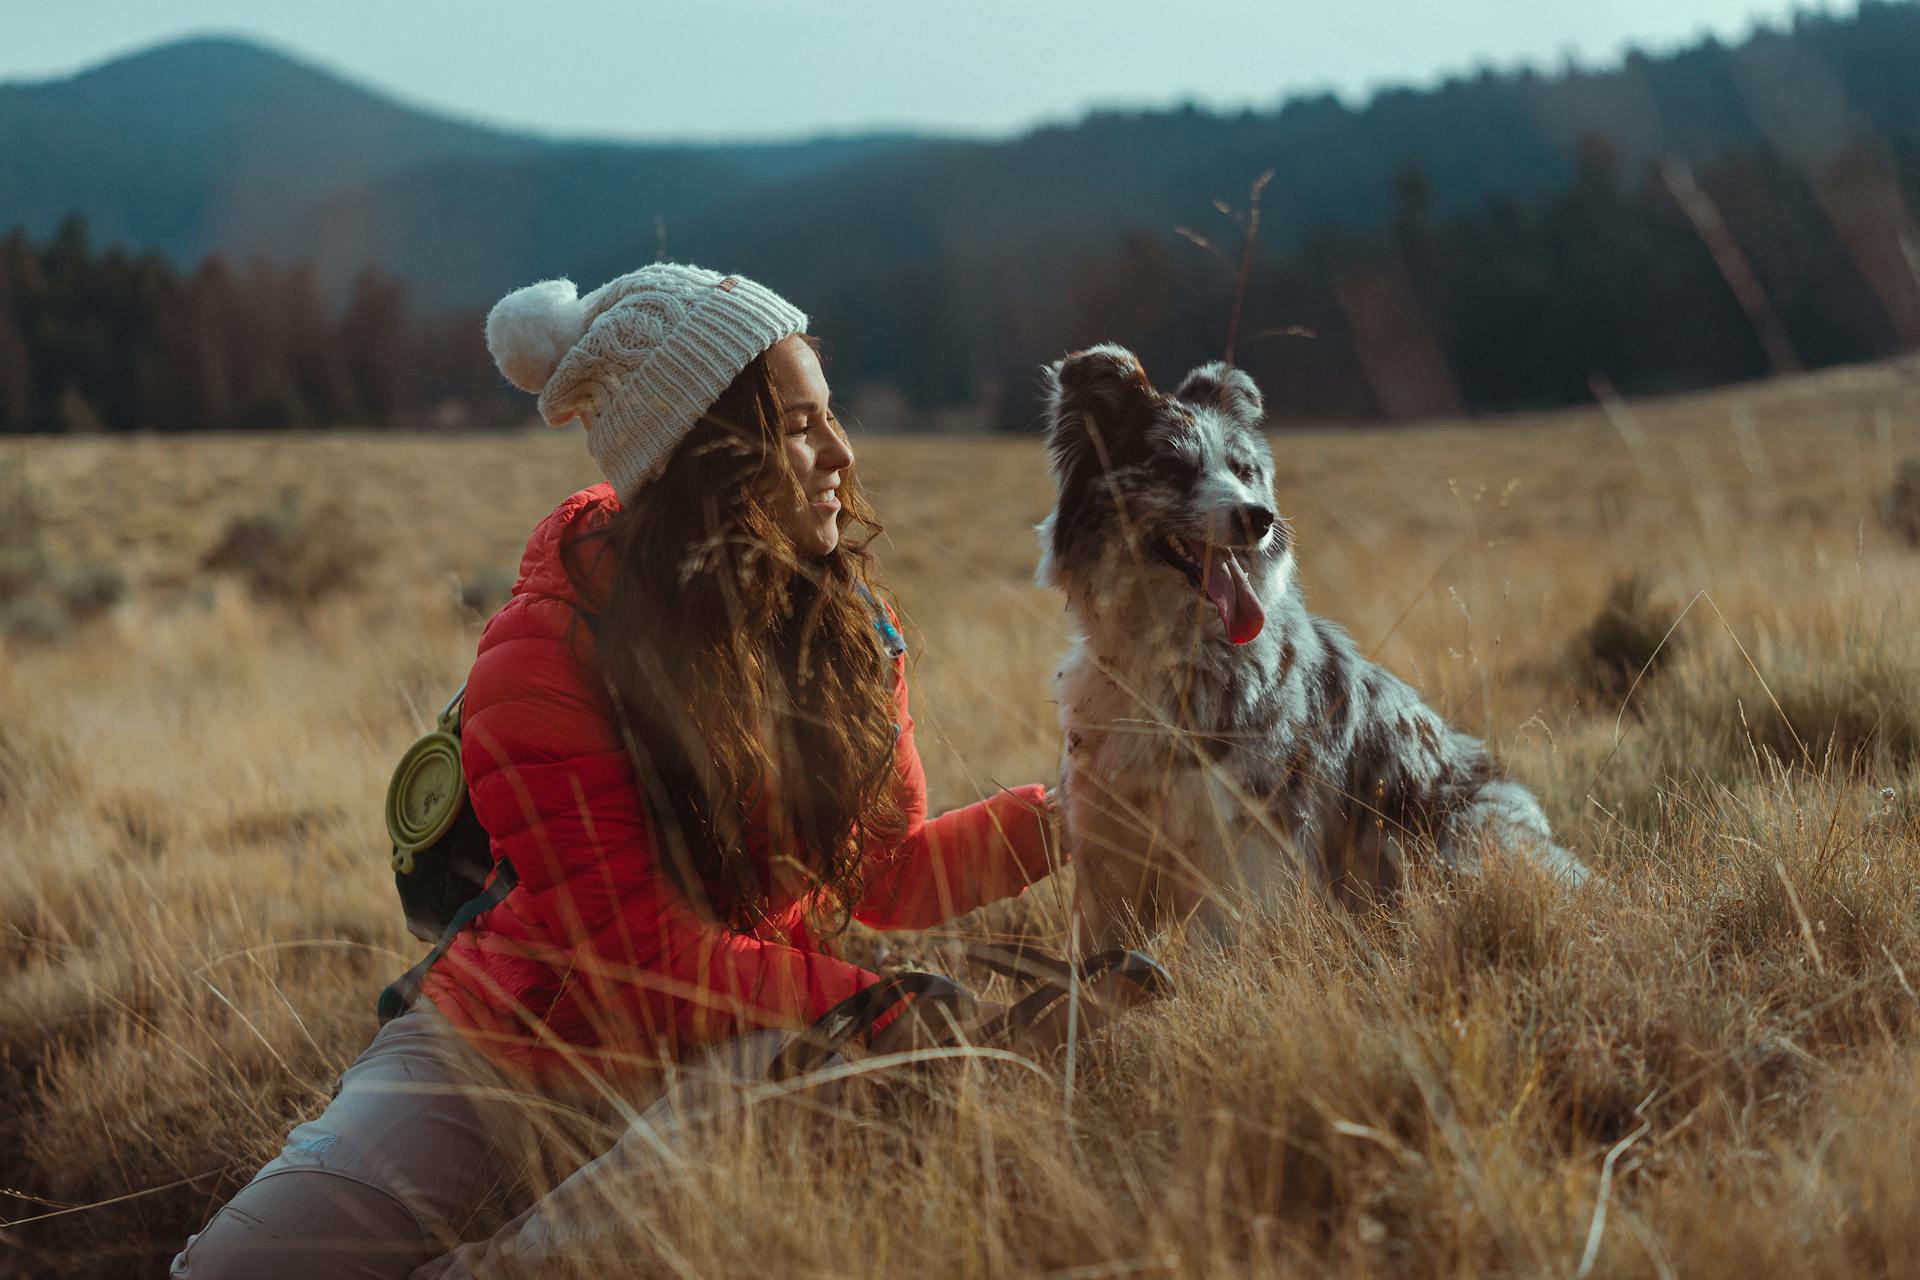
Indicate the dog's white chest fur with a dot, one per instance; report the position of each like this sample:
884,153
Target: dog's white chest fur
1156,810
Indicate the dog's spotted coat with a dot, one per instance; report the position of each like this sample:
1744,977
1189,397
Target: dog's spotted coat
1200,771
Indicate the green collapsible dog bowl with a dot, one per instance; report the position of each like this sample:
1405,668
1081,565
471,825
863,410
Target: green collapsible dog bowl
426,795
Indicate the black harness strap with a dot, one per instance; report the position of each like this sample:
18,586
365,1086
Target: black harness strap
855,1016
401,991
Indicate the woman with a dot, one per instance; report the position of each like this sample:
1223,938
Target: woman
688,731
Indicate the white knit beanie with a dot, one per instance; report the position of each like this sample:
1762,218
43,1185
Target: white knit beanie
639,359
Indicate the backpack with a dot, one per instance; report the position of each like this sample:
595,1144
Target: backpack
442,858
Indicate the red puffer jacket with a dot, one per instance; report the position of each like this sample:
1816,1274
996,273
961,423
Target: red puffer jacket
596,963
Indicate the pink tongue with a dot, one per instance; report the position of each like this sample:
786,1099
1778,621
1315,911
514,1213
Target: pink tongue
1226,585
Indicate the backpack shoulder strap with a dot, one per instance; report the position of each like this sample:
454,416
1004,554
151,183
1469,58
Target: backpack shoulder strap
401,991
890,638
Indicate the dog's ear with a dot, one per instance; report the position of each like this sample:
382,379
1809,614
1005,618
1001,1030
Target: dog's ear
1105,376
1099,403
1102,381
1221,386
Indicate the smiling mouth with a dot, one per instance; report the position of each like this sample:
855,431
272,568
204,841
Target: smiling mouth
1216,574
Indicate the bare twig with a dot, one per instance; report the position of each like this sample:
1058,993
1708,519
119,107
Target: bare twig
1249,224
1252,225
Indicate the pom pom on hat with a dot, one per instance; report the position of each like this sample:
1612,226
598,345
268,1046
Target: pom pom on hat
530,329
639,359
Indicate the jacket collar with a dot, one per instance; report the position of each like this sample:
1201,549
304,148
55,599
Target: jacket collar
542,570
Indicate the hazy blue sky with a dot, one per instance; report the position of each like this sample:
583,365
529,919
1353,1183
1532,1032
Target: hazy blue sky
732,68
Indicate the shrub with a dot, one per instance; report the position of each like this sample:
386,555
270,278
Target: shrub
22,570
483,591
24,562
39,598
1625,638
1900,504
90,590
1856,712
288,554
1851,711
33,618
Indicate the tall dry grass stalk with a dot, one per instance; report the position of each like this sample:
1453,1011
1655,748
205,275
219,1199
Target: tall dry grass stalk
1704,1066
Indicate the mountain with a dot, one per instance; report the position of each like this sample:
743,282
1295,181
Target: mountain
220,143
945,267
195,146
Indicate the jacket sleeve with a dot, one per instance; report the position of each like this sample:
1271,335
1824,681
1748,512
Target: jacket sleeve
550,780
943,867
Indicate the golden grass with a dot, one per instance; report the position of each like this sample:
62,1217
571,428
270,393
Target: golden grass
1704,1067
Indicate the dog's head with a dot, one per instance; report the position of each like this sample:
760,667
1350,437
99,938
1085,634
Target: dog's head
1172,491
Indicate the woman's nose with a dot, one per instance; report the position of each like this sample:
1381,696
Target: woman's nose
837,454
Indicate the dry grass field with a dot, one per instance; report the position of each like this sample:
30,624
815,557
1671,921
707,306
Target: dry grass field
1706,1065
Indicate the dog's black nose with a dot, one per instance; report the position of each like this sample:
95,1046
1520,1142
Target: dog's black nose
1256,520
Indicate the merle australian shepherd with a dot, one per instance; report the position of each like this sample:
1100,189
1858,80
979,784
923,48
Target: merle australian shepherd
1221,740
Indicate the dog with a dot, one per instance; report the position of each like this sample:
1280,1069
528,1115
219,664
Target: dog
1220,740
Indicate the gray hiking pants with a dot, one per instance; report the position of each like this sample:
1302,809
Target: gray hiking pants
420,1125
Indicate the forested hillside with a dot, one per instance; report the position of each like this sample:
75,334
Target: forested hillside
1710,214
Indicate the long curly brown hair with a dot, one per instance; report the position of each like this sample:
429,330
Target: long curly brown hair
745,673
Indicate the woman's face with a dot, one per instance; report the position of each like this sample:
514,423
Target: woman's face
816,450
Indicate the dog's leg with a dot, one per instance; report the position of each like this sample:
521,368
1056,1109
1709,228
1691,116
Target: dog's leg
1114,880
1560,861
1099,905
1505,815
